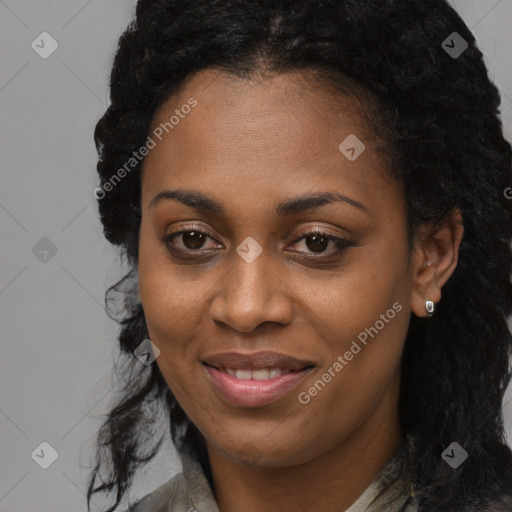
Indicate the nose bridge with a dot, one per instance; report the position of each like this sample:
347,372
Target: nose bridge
250,293
249,278
249,268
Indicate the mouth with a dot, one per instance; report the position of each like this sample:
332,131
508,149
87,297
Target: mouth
255,380
261,374
262,365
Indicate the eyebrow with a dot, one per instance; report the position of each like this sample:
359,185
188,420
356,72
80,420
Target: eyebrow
300,204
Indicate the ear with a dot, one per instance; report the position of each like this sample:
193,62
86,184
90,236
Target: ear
435,257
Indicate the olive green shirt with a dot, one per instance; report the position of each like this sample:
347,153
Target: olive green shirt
189,491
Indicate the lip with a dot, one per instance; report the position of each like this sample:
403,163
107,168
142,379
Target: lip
256,361
254,393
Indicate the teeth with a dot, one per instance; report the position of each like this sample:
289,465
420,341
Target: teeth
264,374
276,372
243,374
261,374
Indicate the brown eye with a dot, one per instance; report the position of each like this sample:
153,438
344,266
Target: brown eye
193,239
317,242
187,241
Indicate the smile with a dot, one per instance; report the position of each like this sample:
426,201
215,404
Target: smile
254,388
262,374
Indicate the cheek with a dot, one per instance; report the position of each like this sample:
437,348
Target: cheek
171,315
172,324
165,310
166,295
365,316
368,286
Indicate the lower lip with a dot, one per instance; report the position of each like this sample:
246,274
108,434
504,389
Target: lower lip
254,393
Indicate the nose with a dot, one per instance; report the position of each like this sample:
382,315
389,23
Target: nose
251,294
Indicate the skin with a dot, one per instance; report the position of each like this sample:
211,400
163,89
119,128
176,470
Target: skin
251,144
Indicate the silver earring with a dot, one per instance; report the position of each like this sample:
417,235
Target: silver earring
430,307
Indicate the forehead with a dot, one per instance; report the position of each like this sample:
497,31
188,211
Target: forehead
302,98
264,135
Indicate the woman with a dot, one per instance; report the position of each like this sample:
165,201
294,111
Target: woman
311,198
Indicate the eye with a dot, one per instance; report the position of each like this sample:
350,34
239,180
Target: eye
192,240
188,240
317,242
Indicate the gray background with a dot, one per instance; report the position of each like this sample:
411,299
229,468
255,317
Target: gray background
58,344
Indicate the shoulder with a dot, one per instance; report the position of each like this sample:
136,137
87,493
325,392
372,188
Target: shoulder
169,497
187,491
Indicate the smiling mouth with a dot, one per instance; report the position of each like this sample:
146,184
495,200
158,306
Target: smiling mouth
261,374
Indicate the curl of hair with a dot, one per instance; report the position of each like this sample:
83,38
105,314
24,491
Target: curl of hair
440,119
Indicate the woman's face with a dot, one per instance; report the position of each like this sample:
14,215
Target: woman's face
257,152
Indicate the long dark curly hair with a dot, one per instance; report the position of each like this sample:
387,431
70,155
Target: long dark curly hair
440,117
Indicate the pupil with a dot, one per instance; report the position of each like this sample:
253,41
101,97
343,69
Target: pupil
319,243
193,239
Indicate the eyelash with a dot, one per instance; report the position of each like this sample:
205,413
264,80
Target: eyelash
341,244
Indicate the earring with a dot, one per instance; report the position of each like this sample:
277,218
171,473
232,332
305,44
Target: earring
429,307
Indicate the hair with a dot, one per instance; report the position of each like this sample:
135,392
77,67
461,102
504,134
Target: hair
440,119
